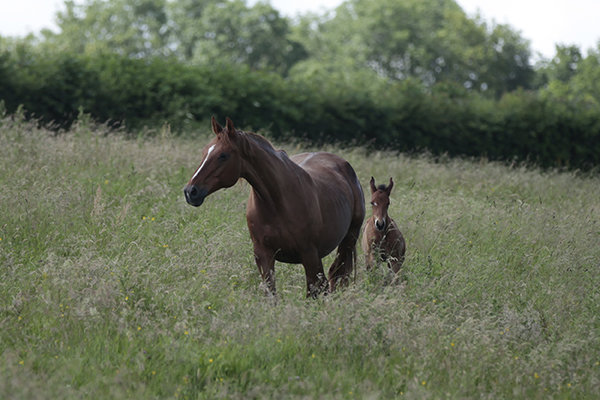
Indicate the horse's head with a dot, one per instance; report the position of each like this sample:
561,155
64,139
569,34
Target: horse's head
380,200
220,167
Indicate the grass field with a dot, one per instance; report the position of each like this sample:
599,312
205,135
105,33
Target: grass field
112,287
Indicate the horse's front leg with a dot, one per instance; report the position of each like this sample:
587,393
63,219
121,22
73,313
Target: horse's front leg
315,275
265,261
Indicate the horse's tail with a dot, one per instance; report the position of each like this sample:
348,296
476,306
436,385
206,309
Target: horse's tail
354,261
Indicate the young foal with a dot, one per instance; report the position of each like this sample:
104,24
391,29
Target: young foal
381,236
299,210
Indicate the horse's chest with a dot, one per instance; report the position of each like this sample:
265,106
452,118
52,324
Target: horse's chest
280,241
271,233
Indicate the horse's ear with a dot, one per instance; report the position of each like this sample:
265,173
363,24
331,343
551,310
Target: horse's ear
230,128
373,187
390,186
215,125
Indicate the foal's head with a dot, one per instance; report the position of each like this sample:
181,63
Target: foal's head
220,167
380,200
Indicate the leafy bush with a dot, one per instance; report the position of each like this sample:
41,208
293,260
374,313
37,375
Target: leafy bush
320,108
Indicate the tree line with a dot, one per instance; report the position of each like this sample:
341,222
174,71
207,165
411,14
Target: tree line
408,75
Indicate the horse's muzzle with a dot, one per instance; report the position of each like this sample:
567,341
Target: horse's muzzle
379,224
194,195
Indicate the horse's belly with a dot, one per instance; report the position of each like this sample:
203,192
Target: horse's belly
289,257
289,248
280,242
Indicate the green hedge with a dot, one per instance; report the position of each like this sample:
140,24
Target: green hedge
401,116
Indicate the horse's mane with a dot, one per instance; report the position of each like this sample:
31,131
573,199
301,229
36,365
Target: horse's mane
256,138
382,187
251,138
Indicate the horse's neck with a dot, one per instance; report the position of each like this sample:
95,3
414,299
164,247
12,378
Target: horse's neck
267,171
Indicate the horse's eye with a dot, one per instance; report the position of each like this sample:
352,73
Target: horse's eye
223,157
374,204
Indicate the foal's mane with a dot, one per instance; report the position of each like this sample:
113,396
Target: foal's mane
382,187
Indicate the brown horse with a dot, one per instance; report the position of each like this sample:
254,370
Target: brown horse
381,236
299,210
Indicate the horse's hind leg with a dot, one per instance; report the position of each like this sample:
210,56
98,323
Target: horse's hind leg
315,277
340,270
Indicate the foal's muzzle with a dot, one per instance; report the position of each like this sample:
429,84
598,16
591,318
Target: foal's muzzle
194,195
379,224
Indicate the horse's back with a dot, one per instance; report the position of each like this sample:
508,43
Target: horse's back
318,162
323,167
331,172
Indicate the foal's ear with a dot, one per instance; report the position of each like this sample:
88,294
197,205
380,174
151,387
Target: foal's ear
215,125
373,187
230,128
390,186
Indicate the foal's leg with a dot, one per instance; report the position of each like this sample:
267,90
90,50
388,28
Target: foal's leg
265,260
396,261
367,246
370,256
315,276
398,251
395,265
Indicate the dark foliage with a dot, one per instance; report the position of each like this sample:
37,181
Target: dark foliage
403,116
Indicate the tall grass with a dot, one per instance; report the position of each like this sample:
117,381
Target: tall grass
112,287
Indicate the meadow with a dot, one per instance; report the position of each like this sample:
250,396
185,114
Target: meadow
112,287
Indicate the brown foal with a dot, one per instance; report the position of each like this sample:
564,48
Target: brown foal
381,237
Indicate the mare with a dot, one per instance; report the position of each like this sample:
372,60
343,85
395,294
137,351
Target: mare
381,237
299,210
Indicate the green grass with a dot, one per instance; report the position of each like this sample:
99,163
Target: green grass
111,286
